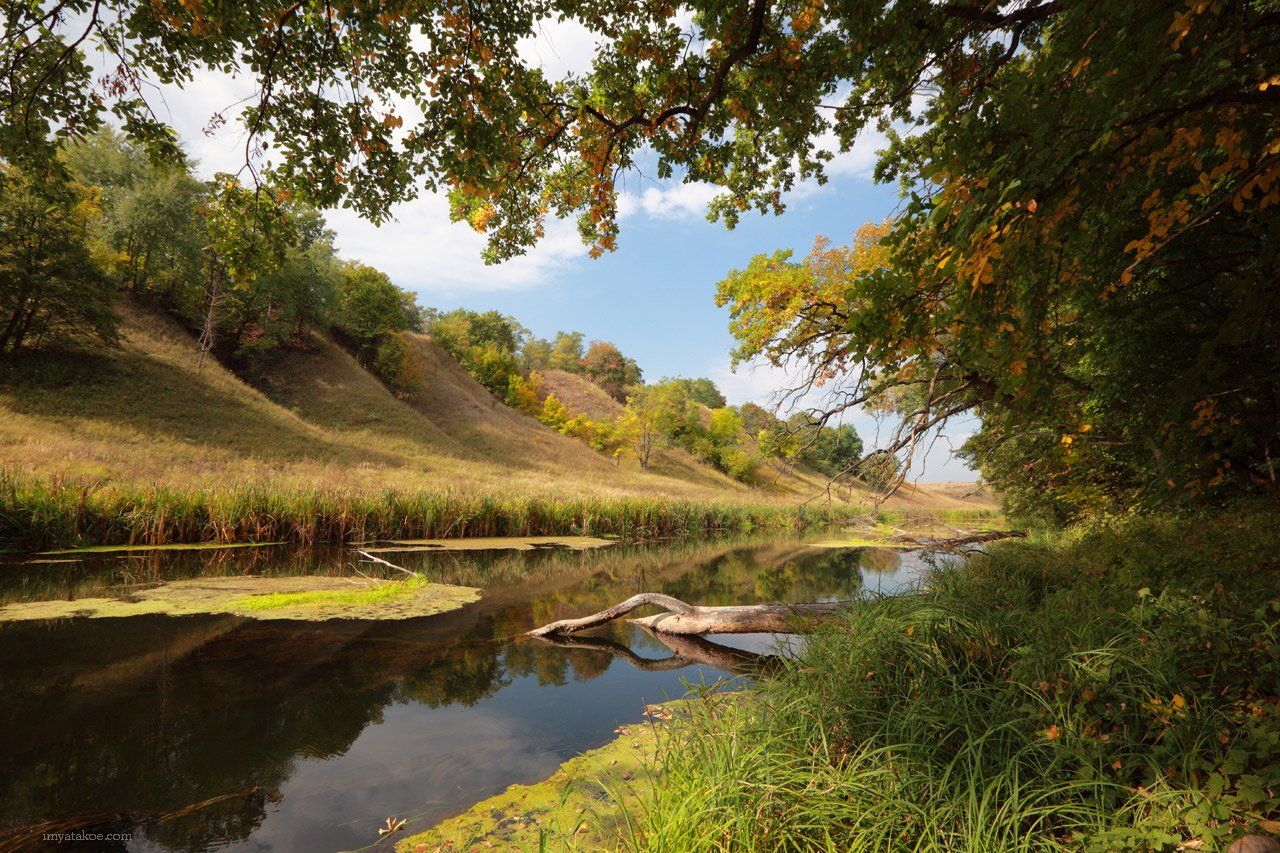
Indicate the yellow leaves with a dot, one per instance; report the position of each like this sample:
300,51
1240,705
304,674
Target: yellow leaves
1067,440
1180,27
1273,80
481,217
1081,66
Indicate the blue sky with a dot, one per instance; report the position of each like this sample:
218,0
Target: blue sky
653,297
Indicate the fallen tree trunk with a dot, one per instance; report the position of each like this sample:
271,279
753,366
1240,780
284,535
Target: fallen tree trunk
688,619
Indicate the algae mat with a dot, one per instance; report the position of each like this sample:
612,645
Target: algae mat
305,598
495,543
580,807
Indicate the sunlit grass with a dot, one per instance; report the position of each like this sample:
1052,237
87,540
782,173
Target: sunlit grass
36,513
1108,689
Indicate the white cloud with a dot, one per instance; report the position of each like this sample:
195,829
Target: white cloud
561,47
676,201
423,251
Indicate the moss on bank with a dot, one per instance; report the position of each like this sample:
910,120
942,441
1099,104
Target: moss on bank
580,807
302,598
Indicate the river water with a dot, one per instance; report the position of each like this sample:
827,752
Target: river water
216,732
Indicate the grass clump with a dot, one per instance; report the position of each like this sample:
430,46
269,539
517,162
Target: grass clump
1109,689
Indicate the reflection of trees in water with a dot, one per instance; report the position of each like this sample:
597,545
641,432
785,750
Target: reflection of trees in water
880,560
151,715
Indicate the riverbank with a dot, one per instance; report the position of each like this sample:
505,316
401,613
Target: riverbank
37,513
1111,687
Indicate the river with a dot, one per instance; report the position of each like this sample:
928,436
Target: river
220,732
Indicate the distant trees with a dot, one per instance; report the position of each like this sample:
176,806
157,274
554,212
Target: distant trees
486,343
248,270
567,352
606,366
51,290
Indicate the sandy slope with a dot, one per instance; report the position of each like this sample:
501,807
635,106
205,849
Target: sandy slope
315,417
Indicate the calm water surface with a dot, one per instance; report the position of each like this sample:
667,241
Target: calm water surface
218,732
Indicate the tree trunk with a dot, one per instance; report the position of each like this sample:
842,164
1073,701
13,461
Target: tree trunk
687,619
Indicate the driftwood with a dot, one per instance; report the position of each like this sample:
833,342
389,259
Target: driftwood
960,541
688,619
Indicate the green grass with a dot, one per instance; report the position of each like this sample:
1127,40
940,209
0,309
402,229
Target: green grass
38,513
357,597
1116,688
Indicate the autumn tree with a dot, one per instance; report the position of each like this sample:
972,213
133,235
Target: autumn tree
652,415
567,352
606,366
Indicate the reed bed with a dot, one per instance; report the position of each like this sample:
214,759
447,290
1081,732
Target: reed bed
37,513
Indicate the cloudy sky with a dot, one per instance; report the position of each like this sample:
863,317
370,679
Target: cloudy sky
653,297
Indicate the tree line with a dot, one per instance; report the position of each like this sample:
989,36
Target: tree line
252,271
248,271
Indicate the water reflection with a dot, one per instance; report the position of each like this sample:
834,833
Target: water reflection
208,732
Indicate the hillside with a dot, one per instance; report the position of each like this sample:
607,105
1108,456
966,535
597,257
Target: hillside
315,418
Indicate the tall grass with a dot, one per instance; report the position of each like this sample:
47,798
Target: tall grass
38,513
1112,690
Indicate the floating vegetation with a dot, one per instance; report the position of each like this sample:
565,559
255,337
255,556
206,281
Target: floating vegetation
495,543
178,546
305,598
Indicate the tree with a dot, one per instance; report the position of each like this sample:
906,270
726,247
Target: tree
486,343
525,394
51,291
567,352
150,228
652,414
705,392
535,354
606,366
369,307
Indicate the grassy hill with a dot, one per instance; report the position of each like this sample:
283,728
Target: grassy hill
147,416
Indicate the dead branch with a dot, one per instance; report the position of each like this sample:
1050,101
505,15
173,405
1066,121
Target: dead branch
687,619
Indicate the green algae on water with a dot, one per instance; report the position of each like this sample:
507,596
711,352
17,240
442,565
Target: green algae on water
580,807
193,546
495,543
300,598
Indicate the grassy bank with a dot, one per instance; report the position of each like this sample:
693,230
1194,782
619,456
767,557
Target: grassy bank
37,513
1114,688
